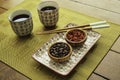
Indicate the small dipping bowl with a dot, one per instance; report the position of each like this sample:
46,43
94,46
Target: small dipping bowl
76,37
60,51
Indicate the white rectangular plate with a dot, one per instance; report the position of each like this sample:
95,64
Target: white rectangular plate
78,53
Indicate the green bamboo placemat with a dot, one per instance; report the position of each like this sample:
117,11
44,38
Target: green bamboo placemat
17,52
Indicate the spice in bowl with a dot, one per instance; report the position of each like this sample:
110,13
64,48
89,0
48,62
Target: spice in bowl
76,37
60,51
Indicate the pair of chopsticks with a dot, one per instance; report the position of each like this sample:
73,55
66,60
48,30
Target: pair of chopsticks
100,24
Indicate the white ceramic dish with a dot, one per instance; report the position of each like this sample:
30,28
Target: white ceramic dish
41,55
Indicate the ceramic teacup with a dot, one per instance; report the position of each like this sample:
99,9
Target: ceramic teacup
21,22
48,12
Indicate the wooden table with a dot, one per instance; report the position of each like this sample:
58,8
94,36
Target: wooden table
102,9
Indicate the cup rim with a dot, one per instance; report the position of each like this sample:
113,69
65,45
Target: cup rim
18,12
43,4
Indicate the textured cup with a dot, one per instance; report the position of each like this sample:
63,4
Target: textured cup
48,18
22,27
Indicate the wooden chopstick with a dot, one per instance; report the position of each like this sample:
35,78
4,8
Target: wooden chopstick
87,26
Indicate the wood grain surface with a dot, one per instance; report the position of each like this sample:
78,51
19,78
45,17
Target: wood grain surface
103,9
